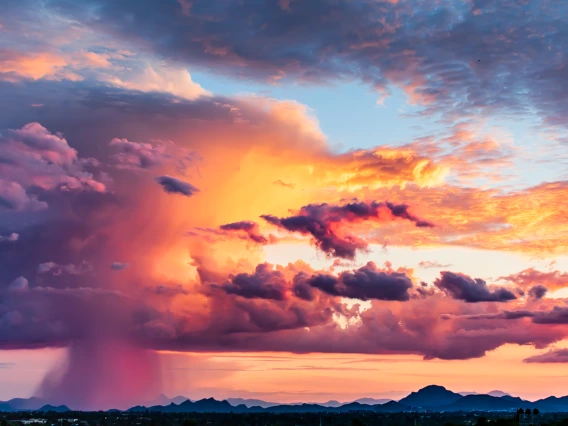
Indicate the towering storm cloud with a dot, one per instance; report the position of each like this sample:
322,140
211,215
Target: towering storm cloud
160,191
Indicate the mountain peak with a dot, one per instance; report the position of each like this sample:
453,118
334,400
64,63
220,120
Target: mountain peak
498,393
430,396
433,388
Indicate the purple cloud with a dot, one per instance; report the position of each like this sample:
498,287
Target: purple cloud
10,238
554,356
500,56
470,290
250,229
34,158
174,185
367,282
322,221
538,291
265,283
118,266
135,154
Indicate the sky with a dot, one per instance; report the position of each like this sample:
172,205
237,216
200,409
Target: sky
289,200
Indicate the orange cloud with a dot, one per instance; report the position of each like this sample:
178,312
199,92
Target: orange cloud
31,65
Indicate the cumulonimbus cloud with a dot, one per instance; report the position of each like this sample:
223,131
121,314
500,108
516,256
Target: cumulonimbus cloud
129,224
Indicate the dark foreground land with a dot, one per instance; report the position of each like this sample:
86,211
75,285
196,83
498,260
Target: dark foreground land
277,419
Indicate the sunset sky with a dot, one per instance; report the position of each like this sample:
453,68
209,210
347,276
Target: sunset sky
292,200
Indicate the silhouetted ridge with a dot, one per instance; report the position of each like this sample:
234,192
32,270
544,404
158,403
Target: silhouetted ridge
57,409
430,396
482,403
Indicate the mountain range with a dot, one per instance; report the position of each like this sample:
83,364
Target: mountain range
431,398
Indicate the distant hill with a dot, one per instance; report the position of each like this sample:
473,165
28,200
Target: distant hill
516,400
498,393
208,405
22,404
433,398
481,403
164,400
254,402
333,403
552,404
57,409
299,408
372,401
430,396
392,407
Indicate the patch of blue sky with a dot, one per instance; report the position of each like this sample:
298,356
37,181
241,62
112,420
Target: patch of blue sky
351,118
348,113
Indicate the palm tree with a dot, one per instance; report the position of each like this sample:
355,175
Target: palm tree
535,412
528,412
520,413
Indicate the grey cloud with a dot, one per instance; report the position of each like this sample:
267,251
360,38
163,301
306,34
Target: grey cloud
483,56
174,185
118,266
470,290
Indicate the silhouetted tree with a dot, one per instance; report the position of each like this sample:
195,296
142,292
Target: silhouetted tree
481,421
188,422
536,411
357,422
3,421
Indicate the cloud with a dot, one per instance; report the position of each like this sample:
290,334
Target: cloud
14,197
14,64
19,284
432,264
553,280
71,269
250,229
174,185
538,291
135,154
553,356
323,221
246,144
178,82
284,184
505,315
10,238
558,315
118,266
471,58
33,157
265,283
462,287
365,283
